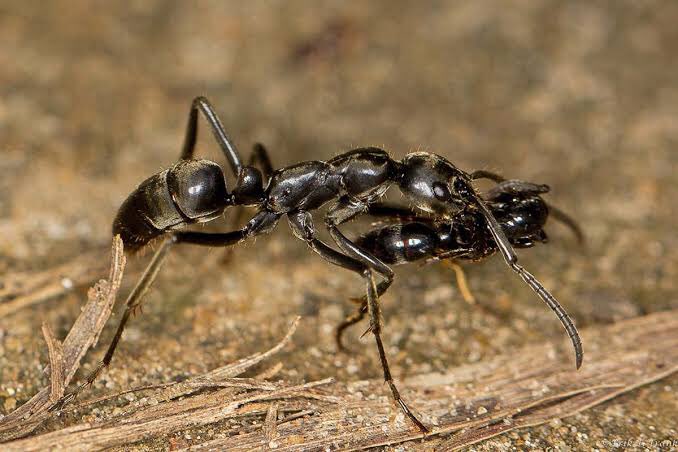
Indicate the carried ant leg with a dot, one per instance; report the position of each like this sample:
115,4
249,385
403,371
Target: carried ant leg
462,283
261,223
569,222
225,143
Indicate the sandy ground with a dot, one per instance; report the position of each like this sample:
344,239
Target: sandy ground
580,95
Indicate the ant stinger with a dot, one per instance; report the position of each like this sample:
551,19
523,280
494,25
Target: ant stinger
194,191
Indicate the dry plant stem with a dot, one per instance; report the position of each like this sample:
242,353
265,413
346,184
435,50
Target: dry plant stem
221,374
83,335
56,356
471,403
271,422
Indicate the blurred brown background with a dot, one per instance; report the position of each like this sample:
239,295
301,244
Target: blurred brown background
580,95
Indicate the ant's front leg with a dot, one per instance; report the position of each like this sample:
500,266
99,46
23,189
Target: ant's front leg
260,223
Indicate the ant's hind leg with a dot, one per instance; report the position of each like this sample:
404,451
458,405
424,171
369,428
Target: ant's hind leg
225,143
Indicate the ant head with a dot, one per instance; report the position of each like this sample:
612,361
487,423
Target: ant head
435,185
521,215
198,188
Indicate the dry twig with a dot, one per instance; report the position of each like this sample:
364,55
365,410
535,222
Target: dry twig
56,356
84,334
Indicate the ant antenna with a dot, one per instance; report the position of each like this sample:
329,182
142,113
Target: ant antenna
497,233
552,303
511,259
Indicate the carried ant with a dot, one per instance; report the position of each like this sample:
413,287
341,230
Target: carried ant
516,205
194,191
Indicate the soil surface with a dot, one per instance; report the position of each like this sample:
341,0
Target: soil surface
580,95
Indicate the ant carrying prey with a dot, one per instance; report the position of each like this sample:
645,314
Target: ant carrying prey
194,191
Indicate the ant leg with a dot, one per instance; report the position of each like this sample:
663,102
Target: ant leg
261,160
262,222
341,212
483,174
461,281
227,146
351,320
301,223
375,327
133,302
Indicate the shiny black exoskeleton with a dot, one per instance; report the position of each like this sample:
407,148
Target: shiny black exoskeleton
194,191
516,205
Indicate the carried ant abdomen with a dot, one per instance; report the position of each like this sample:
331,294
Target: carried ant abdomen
191,191
402,243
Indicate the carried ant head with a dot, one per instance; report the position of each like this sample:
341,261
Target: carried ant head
198,188
522,217
435,185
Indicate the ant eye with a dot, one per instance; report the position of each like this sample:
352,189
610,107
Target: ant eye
441,192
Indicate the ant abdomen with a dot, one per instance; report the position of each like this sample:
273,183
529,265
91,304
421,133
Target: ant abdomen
191,191
401,243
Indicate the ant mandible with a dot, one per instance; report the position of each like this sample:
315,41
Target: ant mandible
194,191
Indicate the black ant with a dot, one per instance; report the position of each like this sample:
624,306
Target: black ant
194,191
518,208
